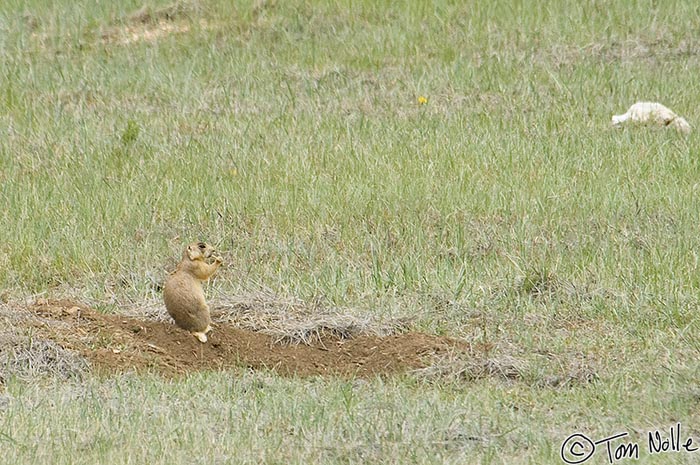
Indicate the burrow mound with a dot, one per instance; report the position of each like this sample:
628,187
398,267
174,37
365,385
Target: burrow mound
117,344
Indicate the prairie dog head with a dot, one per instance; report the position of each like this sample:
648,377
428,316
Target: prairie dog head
198,251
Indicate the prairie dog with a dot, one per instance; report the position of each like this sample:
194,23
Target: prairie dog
183,293
652,113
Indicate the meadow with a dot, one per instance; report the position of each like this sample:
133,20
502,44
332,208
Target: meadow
449,164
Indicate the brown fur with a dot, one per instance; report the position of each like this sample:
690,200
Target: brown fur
183,293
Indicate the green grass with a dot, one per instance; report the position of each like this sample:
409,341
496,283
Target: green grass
504,210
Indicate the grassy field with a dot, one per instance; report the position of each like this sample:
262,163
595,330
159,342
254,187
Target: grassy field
447,162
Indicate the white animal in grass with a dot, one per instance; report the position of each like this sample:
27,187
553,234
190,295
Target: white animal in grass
652,113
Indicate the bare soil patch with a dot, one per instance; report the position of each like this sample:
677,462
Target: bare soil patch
149,24
117,343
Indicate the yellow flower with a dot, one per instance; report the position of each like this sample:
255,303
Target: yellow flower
422,100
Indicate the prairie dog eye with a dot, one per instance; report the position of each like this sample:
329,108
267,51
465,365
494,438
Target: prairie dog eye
202,245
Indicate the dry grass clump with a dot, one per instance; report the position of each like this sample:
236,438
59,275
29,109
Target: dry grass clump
507,365
286,319
24,356
177,10
292,320
27,358
634,49
149,24
471,367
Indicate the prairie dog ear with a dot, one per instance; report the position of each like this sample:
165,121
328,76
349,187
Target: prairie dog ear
193,252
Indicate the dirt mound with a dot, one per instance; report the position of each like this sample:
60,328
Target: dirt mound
115,344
